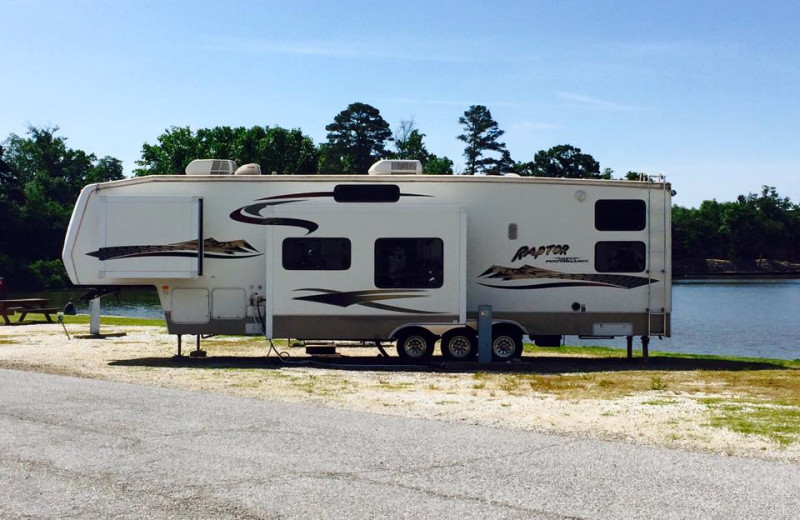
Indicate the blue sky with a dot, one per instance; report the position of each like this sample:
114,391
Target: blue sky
705,92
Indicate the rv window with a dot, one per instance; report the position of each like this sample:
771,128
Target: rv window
366,193
410,263
316,254
620,257
620,215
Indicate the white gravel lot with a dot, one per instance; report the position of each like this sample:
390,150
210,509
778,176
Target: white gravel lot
143,356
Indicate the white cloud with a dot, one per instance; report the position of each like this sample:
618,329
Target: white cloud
534,126
333,49
450,102
582,101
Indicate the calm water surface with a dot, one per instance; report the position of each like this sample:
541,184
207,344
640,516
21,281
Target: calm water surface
758,318
139,302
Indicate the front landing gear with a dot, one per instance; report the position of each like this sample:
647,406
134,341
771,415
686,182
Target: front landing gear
196,353
645,347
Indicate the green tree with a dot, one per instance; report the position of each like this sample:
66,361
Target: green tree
40,178
275,149
562,161
357,137
176,148
635,176
286,152
106,169
409,144
481,134
438,166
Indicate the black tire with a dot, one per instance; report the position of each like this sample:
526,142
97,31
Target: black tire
415,344
459,344
506,344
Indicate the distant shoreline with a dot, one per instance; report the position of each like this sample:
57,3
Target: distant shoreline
746,275
709,268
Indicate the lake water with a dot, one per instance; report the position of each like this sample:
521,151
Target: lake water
759,318
751,317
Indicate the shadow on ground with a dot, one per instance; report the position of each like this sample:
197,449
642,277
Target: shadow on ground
528,364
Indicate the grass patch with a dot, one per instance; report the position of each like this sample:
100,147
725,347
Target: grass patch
744,363
82,319
565,350
397,386
660,402
656,383
778,423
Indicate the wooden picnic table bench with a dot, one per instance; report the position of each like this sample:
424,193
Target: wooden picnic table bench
26,306
47,312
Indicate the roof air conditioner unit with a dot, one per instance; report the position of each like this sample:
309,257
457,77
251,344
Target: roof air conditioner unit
248,169
211,167
395,167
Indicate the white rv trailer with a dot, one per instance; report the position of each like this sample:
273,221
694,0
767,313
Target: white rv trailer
383,256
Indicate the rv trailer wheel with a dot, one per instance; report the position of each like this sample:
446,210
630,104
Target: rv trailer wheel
415,345
459,344
506,345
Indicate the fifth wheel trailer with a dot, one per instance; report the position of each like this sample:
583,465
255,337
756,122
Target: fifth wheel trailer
383,257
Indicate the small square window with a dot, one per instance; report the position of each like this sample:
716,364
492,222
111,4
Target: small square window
409,263
620,215
316,254
620,257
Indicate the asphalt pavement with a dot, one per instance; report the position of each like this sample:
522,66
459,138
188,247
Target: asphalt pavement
78,448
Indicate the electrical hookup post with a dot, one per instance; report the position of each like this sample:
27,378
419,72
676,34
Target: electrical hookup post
484,334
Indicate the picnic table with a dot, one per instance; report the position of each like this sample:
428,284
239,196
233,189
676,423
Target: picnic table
26,306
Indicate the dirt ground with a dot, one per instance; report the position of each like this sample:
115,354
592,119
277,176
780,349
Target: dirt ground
678,408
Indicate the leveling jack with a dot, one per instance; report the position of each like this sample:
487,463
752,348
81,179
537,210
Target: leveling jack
196,353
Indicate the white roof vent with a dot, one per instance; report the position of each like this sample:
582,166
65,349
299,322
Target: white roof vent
248,169
396,167
211,167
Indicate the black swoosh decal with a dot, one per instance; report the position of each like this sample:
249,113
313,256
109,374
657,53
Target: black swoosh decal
251,215
528,272
211,249
366,298
553,285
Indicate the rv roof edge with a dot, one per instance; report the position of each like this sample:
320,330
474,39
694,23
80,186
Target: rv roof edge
498,179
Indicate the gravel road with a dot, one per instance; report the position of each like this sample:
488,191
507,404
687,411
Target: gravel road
83,448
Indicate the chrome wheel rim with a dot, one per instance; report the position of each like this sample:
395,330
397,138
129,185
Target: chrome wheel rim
415,346
459,347
503,347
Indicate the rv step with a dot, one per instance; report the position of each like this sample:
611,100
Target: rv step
325,343
319,350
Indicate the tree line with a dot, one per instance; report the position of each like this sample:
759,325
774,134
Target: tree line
358,137
41,177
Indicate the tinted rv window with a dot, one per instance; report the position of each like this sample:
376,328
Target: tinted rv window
410,263
620,215
316,254
366,193
620,257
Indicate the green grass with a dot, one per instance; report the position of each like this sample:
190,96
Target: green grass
778,423
83,319
611,352
660,402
